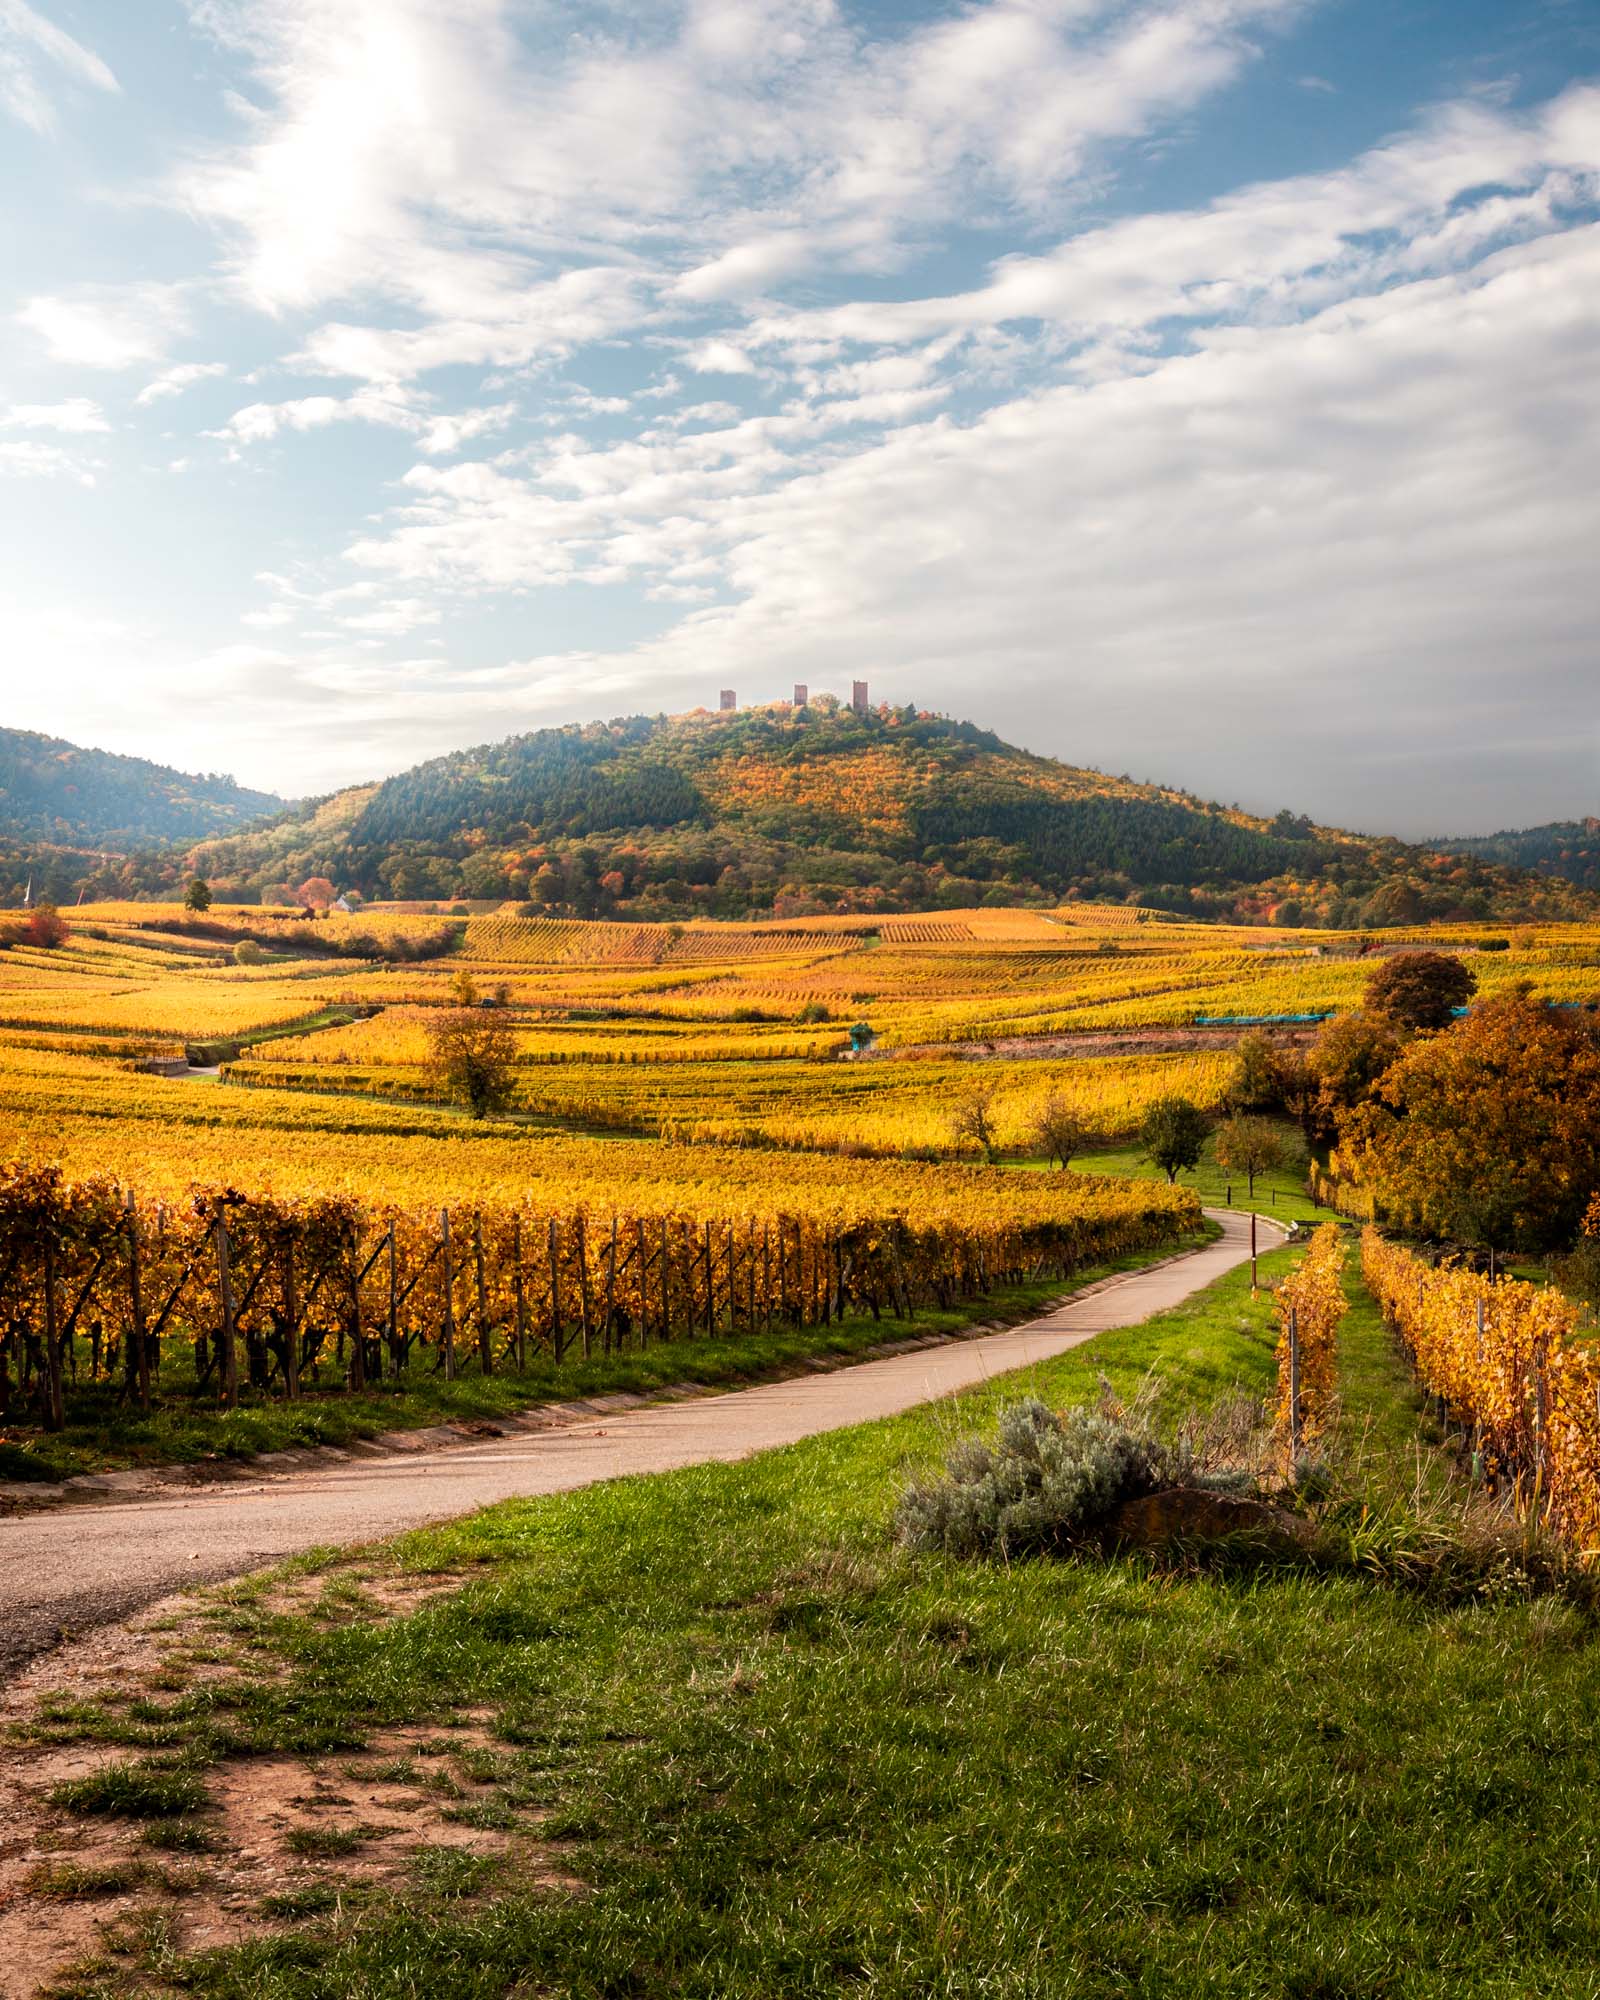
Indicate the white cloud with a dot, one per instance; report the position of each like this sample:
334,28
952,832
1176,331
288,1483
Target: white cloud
25,458
258,422
76,416
1350,511
173,381
447,434
520,186
32,47
108,327
394,619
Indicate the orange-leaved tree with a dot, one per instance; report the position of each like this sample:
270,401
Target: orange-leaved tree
1489,1133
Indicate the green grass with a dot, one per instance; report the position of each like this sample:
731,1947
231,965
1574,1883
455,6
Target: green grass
789,1759
1281,1193
130,1790
102,1434
324,1843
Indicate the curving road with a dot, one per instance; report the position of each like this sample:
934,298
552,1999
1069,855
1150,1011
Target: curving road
64,1572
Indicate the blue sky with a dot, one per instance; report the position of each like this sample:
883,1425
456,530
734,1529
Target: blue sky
1206,389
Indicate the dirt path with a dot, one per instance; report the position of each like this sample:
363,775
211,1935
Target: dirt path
65,1572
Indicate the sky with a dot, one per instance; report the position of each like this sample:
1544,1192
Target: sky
1207,390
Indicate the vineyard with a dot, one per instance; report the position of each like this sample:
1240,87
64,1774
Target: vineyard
1507,1365
666,1162
271,1295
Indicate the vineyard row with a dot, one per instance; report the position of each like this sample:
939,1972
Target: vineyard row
277,1296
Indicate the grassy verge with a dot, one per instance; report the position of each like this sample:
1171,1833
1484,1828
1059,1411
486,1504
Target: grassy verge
786,1758
102,1434
1281,1193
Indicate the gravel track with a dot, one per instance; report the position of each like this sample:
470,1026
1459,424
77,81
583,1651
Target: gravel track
67,1571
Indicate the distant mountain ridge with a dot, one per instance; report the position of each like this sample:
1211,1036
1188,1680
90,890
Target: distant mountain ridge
1565,848
783,810
61,794
766,811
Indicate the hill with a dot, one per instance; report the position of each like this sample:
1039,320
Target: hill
1567,849
791,811
60,795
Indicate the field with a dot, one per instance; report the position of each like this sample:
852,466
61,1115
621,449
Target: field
711,1128
647,1750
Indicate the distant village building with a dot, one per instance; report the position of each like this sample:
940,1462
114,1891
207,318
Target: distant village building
342,903
858,697
801,694
729,700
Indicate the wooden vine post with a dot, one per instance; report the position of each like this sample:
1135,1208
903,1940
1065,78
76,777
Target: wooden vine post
485,1338
357,1378
291,1325
583,1283
611,1290
136,1362
558,1339
55,1415
394,1305
1294,1382
228,1356
522,1305
449,1333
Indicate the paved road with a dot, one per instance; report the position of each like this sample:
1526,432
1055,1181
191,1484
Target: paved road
67,1571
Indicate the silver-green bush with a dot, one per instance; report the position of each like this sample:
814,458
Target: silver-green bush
1036,1486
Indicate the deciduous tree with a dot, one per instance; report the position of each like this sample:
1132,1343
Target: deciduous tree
1057,1129
972,1120
1174,1135
471,1058
45,926
1489,1133
1249,1146
1257,1079
1350,1053
1419,989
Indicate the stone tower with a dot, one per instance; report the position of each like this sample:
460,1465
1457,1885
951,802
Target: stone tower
729,700
858,697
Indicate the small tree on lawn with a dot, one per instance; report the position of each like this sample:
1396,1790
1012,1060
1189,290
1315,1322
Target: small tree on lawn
1419,989
1057,1129
316,892
471,1057
1174,1135
1249,1146
972,1120
197,896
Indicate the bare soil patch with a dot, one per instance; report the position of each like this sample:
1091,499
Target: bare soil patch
276,1840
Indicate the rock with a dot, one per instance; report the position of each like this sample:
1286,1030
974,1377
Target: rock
1195,1514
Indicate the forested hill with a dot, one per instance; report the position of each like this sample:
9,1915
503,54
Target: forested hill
1568,849
790,811
58,793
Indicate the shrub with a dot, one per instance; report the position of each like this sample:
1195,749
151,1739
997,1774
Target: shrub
248,952
1036,1486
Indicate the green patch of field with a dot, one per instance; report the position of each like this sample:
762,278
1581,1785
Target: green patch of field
787,1758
